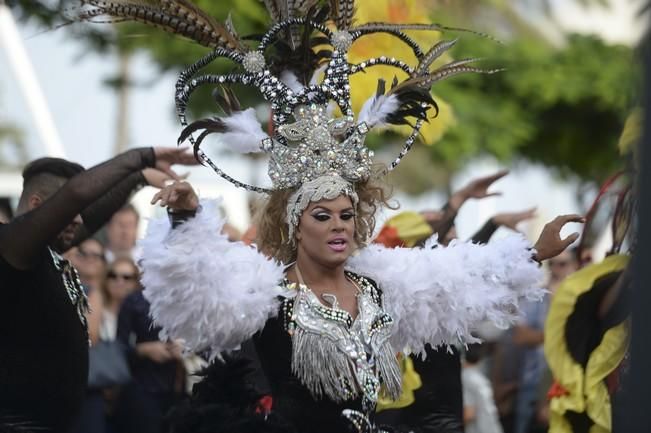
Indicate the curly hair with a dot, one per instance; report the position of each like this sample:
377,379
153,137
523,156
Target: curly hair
273,232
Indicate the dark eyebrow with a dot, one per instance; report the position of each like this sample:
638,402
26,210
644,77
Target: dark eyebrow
348,209
321,208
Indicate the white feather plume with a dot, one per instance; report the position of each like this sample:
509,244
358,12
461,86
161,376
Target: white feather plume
317,75
438,294
245,133
212,293
290,80
376,109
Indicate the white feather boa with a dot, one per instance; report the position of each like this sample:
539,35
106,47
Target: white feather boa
436,295
212,293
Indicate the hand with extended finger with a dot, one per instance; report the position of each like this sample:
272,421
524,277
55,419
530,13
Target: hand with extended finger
177,196
512,219
166,157
550,244
477,188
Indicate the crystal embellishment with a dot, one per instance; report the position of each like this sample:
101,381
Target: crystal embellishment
342,40
319,145
253,62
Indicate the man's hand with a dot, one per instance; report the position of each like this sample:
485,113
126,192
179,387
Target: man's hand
511,220
177,196
549,243
166,157
477,188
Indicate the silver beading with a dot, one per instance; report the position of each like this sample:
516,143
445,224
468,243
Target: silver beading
327,187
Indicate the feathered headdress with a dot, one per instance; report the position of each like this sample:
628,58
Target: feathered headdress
300,67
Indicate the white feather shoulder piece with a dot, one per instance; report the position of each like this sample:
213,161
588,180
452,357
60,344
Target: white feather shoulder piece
212,293
437,294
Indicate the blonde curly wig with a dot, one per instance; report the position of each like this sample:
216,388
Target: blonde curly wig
273,231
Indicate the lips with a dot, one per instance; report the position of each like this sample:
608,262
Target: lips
338,244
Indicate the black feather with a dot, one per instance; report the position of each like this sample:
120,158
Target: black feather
227,100
225,401
302,60
209,126
415,101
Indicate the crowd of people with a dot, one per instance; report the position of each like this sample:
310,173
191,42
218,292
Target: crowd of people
136,378
316,320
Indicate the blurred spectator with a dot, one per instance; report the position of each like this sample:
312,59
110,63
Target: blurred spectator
121,234
506,370
529,335
479,411
157,370
122,279
89,260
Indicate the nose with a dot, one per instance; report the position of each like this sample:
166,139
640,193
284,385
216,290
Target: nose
337,224
78,219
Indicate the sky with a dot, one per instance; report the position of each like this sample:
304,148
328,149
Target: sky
84,112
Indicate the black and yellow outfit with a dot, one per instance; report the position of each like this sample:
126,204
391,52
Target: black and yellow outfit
585,351
431,400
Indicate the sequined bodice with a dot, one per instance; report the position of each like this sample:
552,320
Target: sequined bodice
330,360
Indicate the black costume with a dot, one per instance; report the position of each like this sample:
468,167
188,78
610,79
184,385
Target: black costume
44,363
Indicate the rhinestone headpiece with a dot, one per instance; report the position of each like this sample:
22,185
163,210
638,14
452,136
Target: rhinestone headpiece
300,67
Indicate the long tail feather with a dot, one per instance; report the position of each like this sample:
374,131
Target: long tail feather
380,26
434,53
179,17
342,13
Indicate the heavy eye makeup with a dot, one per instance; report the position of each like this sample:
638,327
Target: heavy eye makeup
323,215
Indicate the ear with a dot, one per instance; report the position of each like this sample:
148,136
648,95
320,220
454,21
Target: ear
34,201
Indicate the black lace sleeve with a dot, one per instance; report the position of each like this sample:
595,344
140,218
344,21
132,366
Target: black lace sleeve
100,212
442,226
23,238
485,233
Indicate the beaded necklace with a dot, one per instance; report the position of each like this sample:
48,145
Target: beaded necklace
72,284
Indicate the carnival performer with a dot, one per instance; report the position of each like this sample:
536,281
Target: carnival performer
326,324
44,366
587,331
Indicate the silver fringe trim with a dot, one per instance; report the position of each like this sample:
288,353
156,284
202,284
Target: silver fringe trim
319,365
330,357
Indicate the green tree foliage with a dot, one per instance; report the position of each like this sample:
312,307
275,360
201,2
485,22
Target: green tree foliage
561,107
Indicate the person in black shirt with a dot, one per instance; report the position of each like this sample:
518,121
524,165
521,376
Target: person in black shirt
44,360
157,370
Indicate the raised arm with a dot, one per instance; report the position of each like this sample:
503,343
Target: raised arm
100,212
212,293
437,294
509,220
24,238
475,189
